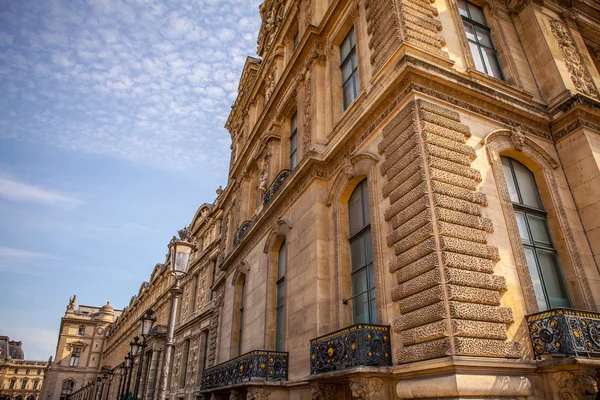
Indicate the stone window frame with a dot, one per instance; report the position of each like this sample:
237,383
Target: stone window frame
513,143
491,8
350,19
354,170
239,281
279,233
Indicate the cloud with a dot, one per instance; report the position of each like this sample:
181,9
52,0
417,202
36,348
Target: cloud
149,82
13,190
11,254
38,343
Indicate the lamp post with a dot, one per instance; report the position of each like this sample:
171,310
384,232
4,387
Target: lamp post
180,251
129,365
109,377
123,380
146,323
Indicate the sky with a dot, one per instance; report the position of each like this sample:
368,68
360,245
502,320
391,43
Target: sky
111,137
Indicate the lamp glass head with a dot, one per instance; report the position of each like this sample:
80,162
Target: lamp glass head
180,256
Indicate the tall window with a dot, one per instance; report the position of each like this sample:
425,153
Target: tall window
35,384
349,68
23,384
205,353
67,389
280,307
12,384
480,39
184,360
295,41
361,254
194,295
75,354
293,141
241,318
212,281
81,330
542,258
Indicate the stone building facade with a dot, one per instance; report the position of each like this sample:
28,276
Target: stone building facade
79,349
412,211
20,379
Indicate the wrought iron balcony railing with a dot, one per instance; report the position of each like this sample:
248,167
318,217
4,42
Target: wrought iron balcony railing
360,344
258,364
275,185
241,232
565,332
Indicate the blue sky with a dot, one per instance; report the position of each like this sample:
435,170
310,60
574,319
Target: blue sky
111,137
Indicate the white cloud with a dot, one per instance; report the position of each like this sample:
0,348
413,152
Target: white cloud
13,190
38,343
13,254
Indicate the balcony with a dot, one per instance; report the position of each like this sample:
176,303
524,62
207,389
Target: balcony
564,332
360,344
275,185
258,364
241,232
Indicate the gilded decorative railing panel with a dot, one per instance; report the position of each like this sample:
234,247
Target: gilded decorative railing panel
258,364
360,344
566,332
275,185
241,232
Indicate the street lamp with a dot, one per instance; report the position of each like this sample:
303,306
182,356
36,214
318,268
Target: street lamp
109,377
122,375
146,323
128,372
180,251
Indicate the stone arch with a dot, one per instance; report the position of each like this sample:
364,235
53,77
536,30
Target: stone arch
353,166
514,143
281,228
240,273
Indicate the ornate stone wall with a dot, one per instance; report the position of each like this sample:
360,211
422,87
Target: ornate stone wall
448,296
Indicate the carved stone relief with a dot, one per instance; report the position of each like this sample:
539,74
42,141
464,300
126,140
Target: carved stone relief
258,394
366,388
579,74
321,391
576,385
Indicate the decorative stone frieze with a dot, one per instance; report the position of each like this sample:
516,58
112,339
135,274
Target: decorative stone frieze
258,394
320,391
447,293
576,385
366,388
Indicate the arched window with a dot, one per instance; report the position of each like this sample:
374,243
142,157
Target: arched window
361,256
280,307
67,389
241,316
542,258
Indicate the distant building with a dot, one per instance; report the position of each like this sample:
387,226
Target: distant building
79,349
20,379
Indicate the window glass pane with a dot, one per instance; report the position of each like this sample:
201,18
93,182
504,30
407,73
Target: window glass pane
373,307
355,211
483,37
360,308
527,187
346,71
539,230
512,189
522,227
293,161
350,37
462,8
279,329
469,31
355,85
359,282
348,93
368,247
536,280
294,122
281,256
345,47
365,202
371,276
280,293
293,144
491,63
553,280
477,14
476,57
357,254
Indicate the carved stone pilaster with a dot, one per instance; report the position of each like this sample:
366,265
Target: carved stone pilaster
258,394
579,74
576,385
323,391
367,388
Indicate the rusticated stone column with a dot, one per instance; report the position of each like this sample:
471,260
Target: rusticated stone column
448,295
153,365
